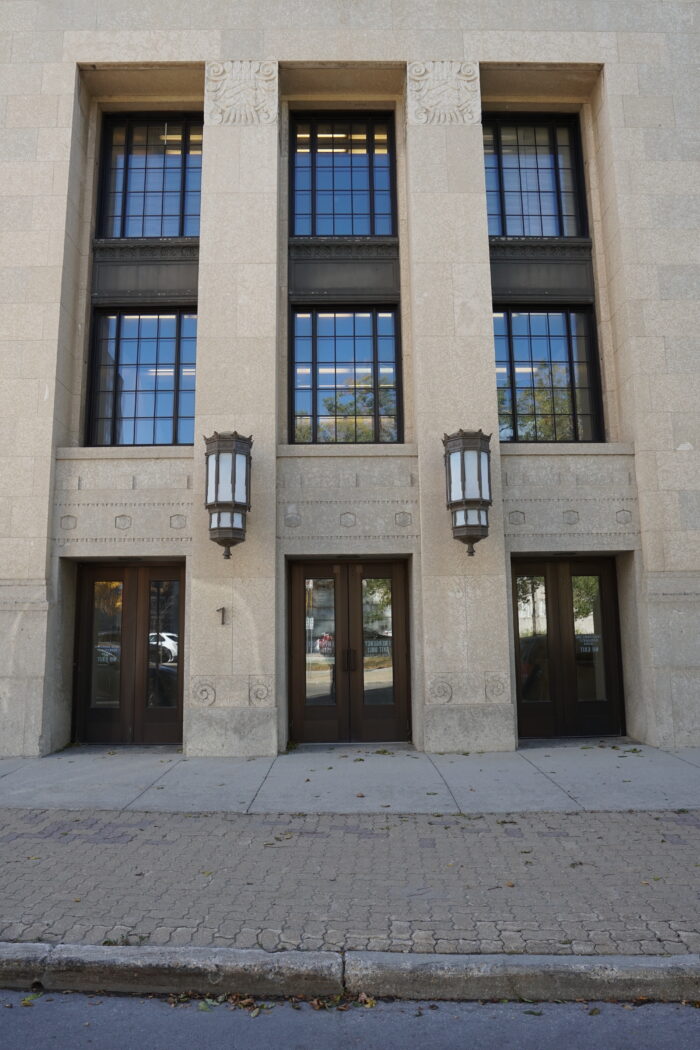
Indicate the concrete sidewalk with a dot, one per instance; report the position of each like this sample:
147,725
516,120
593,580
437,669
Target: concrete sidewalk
588,775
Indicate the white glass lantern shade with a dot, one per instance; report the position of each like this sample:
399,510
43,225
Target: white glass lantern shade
468,471
228,487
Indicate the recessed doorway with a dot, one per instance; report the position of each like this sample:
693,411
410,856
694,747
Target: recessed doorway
349,670
129,654
567,655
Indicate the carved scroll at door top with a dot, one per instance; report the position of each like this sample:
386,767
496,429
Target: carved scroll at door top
443,93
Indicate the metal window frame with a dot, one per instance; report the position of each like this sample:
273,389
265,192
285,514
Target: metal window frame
129,120
497,119
93,382
593,364
374,309
313,118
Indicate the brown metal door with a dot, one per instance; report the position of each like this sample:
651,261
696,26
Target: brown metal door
567,650
349,651
129,654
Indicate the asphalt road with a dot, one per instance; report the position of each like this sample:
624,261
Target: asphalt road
80,1022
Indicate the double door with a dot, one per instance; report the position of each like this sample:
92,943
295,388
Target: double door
567,651
129,654
349,651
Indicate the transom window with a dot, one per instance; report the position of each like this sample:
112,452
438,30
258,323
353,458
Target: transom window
346,376
152,177
533,184
342,175
144,378
547,385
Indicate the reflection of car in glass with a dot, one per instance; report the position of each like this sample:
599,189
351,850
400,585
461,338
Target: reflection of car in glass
166,643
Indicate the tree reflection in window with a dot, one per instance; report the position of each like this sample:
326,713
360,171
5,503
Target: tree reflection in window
345,377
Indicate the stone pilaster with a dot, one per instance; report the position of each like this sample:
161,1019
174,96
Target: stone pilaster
468,697
230,706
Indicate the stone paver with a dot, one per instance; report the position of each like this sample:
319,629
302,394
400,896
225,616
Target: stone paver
576,883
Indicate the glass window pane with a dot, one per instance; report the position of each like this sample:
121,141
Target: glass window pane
533,654
588,638
346,375
147,162
147,370
320,632
538,174
163,643
352,196
377,642
105,670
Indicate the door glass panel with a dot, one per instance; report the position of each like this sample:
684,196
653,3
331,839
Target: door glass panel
163,643
377,642
105,672
533,667
588,638
320,642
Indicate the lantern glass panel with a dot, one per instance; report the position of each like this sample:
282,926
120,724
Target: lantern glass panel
237,521
471,474
485,484
455,477
240,495
225,493
211,479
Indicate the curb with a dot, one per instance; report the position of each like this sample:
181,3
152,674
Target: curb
90,968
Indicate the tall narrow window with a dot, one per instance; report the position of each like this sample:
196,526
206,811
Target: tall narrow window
533,178
144,378
342,175
546,377
345,376
151,176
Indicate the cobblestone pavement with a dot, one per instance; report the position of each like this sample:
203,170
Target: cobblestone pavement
579,883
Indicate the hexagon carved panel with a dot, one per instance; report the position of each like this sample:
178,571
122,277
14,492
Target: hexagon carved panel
240,92
443,93
122,521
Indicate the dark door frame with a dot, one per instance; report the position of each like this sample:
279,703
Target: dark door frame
556,718
133,723
346,721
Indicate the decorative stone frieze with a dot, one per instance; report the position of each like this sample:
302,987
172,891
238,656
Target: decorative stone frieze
241,92
443,93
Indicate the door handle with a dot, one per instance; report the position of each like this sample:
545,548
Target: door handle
349,660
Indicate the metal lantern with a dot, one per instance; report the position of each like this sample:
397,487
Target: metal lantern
467,466
228,487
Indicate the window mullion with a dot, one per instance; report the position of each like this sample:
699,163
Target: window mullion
572,374
176,381
501,181
184,153
371,130
554,146
128,138
314,385
511,368
117,365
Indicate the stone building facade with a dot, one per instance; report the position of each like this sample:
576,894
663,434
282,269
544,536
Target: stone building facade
540,175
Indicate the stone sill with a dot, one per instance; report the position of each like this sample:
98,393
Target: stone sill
349,451
127,452
564,448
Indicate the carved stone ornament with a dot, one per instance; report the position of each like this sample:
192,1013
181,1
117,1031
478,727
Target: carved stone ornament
443,93
204,693
439,691
570,517
240,93
122,521
259,690
403,519
495,686
68,521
